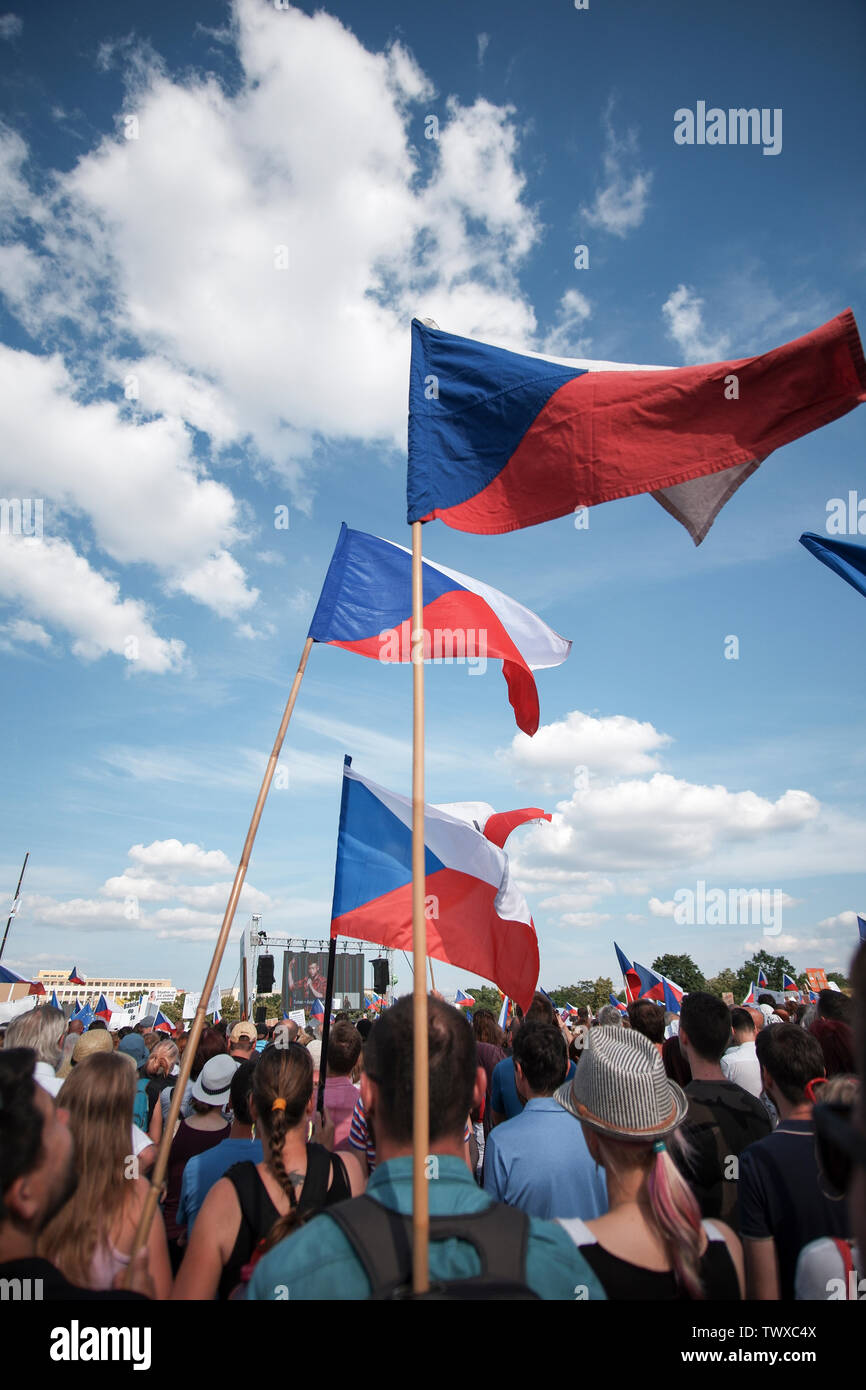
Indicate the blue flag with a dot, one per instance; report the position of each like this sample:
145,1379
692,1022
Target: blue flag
849,561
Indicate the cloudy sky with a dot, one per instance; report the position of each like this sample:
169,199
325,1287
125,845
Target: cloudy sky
217,223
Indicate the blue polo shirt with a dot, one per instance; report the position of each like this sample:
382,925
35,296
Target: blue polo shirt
539,1161
318,1262
203,1170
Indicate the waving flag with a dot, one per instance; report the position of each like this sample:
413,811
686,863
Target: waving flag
618,1004
162,1024
789,985
861,925
672,998
505,1011
9,977
75,978
84,1016
630,976
499,440
317,1011
103,1009
849,561
366,607
750,997
658,987
495,826
463,1000
476,918
55,1004
763,982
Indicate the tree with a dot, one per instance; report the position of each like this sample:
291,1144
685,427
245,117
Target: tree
602,990
486,997
726,982
839,979
682,970
773,967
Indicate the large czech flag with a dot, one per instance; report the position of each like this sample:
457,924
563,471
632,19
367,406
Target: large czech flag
630,976
366,607
476,918
499,440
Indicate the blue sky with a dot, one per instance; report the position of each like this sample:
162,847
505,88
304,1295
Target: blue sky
167,386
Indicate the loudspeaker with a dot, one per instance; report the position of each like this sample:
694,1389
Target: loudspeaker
381,975
260,1012
265,975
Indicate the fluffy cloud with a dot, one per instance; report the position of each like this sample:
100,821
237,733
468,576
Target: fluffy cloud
565,337
218,263
587,746
621,202
57,585
685,324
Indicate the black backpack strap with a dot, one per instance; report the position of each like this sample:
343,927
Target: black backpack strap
315,1189
258,1212
381,1239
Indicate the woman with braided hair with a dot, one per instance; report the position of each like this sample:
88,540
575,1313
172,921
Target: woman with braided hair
258,1204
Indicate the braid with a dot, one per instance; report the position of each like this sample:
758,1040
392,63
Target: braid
282,1075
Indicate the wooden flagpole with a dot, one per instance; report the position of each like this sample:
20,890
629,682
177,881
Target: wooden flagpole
159,1167
421,1085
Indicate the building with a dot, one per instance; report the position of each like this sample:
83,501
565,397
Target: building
123,988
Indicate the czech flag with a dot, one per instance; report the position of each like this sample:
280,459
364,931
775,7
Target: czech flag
505,1012
317,1011
500,440
750,997
789,985
55,1003
476,918
672,1000
618,1004
75,978
763,982
629,975
463,1000
9,977
366,607
103,1009
495,826
161,1024
849,561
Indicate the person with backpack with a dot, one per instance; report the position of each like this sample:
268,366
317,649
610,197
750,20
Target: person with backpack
478,1248
255,1205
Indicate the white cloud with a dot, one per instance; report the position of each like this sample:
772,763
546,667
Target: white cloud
10,26
604,746
842,919
621,202
682,309
564,338
22,630
662,909
173,855
57,585
219,582
483,42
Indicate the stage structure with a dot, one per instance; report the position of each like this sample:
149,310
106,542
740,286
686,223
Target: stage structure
301,980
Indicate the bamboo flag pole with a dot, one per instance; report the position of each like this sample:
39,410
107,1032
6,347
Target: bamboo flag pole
421,1113
159,1167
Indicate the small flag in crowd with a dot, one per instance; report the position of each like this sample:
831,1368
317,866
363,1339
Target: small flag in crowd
763,982
162,1024
506,440
750,997
849,561
505,1012
75,978
366,607
478,919
463,1000
54,1001
618,1004
789,985
629,975
317,1011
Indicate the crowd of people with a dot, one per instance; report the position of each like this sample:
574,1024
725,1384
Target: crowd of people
715,1155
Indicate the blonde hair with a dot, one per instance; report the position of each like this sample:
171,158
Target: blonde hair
99,1095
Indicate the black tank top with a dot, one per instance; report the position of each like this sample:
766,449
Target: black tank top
258,1213
622,1280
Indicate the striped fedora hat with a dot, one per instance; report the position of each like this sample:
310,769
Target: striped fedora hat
620,1088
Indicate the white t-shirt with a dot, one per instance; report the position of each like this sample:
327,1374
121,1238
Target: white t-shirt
740,1064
